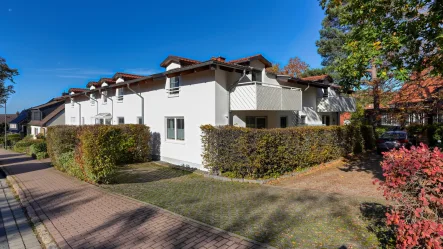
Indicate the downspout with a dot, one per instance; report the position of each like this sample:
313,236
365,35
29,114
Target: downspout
143,102
229,94
112,109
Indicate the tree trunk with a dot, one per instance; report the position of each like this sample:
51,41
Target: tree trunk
376,120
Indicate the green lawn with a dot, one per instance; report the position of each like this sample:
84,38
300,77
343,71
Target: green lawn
281,217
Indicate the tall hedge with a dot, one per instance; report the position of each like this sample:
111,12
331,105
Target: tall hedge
257,153
92,153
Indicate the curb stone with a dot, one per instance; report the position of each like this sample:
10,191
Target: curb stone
42,233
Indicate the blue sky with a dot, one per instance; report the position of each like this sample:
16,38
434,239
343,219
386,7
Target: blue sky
61,44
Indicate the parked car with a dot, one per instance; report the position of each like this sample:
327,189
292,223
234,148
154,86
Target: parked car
393,140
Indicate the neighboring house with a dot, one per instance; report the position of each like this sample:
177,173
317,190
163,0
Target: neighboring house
190,93
19,124
49,114
419,101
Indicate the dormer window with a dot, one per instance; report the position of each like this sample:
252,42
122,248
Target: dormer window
119,94
257,76
174,85
325,93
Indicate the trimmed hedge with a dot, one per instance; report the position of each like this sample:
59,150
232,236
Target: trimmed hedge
92,153
38,150
429,134
260,153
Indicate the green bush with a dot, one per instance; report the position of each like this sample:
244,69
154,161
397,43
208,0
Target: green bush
92,153
37,148
41,155
12,139
24,145
261,153
379,131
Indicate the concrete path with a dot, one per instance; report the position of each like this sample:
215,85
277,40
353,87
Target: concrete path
80,215
15,231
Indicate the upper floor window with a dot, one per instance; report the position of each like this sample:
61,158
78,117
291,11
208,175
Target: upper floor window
257,76
325,93
174,85
92,98
119,94
72,102
36,115
13,126
104,97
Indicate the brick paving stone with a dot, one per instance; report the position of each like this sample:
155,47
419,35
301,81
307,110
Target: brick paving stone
79,215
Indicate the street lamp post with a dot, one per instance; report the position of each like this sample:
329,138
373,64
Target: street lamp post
6,141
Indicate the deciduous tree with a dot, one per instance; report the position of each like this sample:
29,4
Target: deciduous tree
295,67
6,74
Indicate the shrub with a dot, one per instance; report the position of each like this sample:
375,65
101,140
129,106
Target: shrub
24,145
379,131
92,153
40,136
37,148
244,152
41,155
414,185
12,139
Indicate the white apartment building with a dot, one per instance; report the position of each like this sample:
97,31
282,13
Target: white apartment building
190,93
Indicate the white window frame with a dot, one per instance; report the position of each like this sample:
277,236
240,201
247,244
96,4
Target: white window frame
104,97
174,90
92,99
12,126
175,129
119,94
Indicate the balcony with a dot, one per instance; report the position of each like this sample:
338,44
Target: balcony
265,97
336,104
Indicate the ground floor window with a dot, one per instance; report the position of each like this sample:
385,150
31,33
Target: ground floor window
139,120
175,128
121,120
326,120
256,122
103,121
283,122
72,120
35,131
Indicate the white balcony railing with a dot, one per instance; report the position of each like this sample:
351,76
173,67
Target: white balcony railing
336,104
267,97
173,92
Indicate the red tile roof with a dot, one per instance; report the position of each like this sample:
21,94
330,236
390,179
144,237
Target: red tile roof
179,59
127,76
107,80
76,90
418,90
249,58
316,78
93,83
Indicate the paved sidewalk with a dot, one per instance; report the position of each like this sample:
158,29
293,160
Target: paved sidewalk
15,232
80,215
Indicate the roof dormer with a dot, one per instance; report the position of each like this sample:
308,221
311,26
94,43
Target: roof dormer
172,62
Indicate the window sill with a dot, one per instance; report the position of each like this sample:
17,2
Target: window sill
119,101
173,141
173,95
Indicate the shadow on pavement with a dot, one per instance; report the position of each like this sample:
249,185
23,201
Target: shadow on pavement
369,163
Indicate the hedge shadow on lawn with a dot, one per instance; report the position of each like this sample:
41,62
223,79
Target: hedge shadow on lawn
369,163
140,175
375,214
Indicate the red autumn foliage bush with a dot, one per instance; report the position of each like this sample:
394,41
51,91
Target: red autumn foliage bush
414,184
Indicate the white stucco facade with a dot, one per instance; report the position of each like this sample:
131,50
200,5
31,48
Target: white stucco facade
203,97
